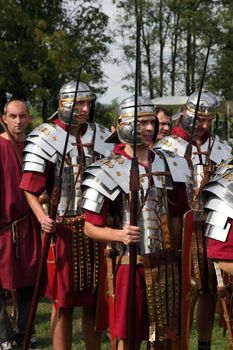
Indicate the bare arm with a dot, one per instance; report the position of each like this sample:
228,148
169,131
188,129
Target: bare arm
226,266
47,224
127,235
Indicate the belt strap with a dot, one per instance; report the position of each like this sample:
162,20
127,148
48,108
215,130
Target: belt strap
15,234
124,260
12,224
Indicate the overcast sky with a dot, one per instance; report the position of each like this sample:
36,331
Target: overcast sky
114,73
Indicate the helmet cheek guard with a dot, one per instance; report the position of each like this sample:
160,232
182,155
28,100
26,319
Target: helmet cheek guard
66,96
64,113
207,108
125,131
186,122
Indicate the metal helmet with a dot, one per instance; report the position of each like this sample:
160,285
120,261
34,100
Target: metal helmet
66,95
125,118
207,108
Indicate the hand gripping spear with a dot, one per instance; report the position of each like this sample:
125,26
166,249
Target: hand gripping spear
54,202
134,188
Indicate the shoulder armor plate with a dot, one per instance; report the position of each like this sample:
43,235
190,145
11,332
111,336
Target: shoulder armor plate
219,206
101,134
221,150
92,200
173,144
44,143
171,162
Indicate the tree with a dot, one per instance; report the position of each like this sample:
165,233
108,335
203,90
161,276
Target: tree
43,45
106,114
221,76
175,37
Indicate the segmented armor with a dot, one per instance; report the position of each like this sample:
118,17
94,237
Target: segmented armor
219,202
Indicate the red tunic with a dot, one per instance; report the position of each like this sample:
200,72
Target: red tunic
121,291
180,132
19,260
221,250
62,288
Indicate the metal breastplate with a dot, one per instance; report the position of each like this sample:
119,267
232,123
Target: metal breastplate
148,221
71,194
94,141
214,151
201,155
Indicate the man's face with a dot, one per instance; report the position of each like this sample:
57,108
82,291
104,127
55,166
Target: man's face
146,129
81,109
16,118
164,125
203,124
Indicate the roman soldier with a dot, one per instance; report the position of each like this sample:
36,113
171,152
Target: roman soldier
191,138
161,204
73,262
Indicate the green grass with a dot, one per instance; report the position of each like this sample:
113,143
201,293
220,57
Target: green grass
43,328
219,341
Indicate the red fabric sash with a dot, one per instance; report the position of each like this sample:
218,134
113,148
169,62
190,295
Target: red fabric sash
51,269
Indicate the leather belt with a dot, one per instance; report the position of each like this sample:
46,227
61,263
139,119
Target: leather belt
124,260
14,229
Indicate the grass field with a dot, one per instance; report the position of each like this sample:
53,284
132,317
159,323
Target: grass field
219,342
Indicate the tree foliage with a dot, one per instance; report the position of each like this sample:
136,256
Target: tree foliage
105,114
43,44
221,75
174,41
